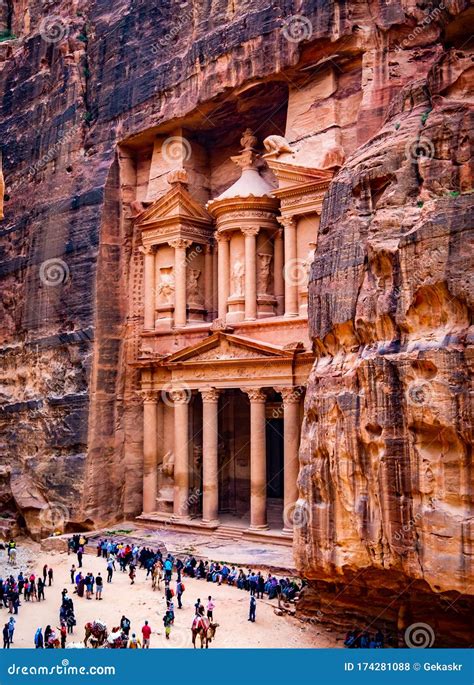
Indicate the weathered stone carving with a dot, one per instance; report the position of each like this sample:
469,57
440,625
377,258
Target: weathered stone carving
263,272
238,278
276,145
166,285
194,292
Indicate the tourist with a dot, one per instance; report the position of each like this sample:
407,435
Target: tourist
146,632
260,585
167,623
50,576
6,637
379,639
125,625
179,593
40,589
134,642
73,573
80,553
168,568
210,608
98,586
253,608
45,573
132,574
39,639
11,628
110,570
47,635
63,633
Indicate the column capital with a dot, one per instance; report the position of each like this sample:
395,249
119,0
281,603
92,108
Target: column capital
287,221
148,249
209,394
208,248
180,396
180,243
292,394
250,231
222,237
148,396
255,394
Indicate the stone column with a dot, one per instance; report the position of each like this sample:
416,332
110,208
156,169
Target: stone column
291,437
181,400
250,272
208,280
291,270
258,460
278,263
180,246
210,476
223,274
149,286
150,450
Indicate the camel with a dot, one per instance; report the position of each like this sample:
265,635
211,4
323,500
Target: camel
156,577
205,629
96,633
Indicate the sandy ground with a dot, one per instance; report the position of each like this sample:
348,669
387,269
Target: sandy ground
140,603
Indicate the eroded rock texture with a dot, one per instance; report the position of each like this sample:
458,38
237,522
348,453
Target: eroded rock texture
385,446
386,470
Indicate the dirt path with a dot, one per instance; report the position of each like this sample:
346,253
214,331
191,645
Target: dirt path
140,603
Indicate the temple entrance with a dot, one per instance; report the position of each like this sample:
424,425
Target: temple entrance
275,479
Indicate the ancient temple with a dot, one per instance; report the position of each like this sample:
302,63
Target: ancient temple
224,352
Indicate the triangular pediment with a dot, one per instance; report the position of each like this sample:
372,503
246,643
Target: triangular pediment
226,347
176,206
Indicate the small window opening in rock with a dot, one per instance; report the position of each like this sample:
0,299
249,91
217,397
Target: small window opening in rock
69,169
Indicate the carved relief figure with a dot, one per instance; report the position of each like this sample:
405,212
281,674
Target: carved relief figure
263,272
166,284
194,291
238,277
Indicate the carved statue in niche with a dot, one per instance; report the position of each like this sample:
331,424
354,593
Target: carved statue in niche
238,277
194,291
167,466
263,272
166,284
309,260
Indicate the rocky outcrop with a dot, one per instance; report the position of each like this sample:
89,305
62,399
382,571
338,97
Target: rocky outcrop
386,465
385,462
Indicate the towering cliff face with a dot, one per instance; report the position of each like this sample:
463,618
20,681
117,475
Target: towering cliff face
385,463
386,466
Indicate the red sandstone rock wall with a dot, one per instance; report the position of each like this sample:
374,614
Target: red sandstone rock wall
386,462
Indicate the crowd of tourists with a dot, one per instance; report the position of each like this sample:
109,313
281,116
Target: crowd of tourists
128,557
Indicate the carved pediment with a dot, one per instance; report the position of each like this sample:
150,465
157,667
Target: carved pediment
175,207
222,347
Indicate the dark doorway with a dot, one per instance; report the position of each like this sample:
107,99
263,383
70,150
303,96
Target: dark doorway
274,431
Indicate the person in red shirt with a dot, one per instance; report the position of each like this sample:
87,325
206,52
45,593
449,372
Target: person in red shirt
146,632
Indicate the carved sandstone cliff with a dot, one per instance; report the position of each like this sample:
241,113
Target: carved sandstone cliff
386,470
